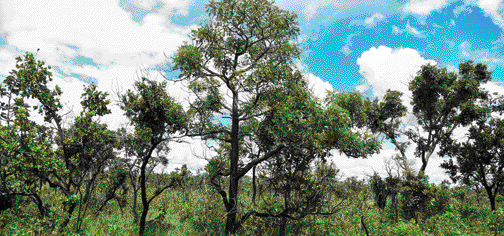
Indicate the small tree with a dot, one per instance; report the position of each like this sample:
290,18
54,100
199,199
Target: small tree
155,117
81,152
309,132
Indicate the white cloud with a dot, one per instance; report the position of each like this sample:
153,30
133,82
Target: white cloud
412,30
424,7
494,9
104,32
386,68
494,87
395,30
318,86
101,29
462,9
408,29
310,8
371,21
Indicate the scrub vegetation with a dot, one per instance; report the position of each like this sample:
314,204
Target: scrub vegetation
270,169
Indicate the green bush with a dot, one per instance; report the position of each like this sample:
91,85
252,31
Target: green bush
496,221
403,229
415,194
447,224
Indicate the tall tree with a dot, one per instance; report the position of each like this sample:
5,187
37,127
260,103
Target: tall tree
243,49
480,159
443,101
156,117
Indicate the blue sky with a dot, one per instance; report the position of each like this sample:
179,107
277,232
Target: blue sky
370,46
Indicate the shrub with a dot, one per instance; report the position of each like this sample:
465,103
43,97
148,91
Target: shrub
403,229
496,221
448,224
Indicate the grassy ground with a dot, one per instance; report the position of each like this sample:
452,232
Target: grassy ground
197,211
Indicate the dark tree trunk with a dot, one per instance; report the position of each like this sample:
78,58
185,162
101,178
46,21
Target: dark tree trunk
231,226
143,196
424,165
491,197
283,223
283,226
254,185
36,198
67,219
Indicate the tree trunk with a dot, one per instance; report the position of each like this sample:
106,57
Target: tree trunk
67,219
231,226
283,225
424,165
254,185
231,214
143,196
135,200
491,197
36,199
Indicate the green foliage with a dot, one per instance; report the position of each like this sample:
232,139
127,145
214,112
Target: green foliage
478,160
496,221
442,101
415,194
380,190
403,229
448,224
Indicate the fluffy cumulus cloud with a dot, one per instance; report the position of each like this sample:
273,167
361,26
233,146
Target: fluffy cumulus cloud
101,31
318,86
386,68
424,7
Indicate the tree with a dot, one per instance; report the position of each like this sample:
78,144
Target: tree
443,101
243,50
25,150
81,152
309,132
155,117
480,159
